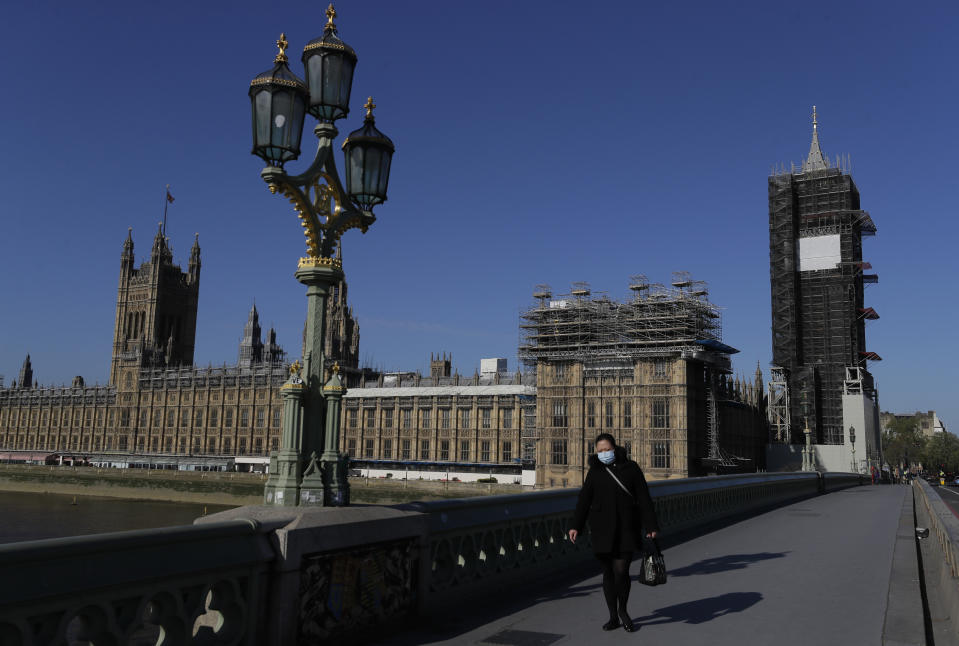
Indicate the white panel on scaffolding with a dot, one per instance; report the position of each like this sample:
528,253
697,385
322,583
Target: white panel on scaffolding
819,252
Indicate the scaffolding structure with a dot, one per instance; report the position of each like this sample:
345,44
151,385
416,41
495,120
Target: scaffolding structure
818,313
607,337
778,406
591,327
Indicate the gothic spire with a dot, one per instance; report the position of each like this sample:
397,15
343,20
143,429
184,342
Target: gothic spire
160,247
25,379
816,160
193,268
251,345
126,258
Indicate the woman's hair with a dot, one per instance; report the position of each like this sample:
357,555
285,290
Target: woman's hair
607,437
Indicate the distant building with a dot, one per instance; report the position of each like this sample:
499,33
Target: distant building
929,423
158,409
817,279
440,426
653,371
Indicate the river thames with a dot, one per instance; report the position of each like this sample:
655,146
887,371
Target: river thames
31,516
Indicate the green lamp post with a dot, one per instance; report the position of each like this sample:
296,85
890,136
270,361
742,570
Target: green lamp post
808,462
309,469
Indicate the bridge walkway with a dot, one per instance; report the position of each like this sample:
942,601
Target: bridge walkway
812,572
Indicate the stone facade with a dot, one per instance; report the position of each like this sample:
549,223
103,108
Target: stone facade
928,423
157,402
652,370
655,408
441,419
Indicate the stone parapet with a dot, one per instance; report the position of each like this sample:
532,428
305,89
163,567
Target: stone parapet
315,575
193,583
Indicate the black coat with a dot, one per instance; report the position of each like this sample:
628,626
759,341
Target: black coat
616,519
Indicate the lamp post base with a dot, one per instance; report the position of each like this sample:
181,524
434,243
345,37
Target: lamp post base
336,479
312,486
281,487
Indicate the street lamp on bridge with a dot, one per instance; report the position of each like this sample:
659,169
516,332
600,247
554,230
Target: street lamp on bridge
308,469
852,440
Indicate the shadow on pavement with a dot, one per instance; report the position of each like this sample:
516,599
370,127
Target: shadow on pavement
448,626
702,610
725,563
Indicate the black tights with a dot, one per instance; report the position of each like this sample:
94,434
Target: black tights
616,580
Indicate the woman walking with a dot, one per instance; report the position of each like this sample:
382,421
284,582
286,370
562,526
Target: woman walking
616,500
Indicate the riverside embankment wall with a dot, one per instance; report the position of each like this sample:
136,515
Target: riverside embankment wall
217,488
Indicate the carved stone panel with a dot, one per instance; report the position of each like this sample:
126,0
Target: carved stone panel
343,591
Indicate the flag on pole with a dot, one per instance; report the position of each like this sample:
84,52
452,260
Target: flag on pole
166,203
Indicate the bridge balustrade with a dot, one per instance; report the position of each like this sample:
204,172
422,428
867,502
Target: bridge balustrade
195,584
258,575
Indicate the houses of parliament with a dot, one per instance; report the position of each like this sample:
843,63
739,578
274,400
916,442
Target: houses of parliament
669,398
157,401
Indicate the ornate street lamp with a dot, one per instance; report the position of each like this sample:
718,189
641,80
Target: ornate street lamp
852,441
808,462
279,103
329,64
368,156
308,469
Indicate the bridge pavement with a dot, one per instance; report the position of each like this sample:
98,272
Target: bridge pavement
813,572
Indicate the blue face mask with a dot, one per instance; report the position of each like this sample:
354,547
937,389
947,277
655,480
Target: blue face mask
606,457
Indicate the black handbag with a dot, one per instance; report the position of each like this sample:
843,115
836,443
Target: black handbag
653,571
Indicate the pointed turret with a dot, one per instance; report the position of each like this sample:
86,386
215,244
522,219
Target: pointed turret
126,257
251,346
272,352
193,269
25,380
816,160
160,248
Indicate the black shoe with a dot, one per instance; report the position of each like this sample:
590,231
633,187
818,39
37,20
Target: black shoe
627,622
612,624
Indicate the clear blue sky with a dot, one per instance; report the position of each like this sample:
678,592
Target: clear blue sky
537,142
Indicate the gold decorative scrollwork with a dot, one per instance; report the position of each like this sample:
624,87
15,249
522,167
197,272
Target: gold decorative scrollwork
325,204
311,228
319,211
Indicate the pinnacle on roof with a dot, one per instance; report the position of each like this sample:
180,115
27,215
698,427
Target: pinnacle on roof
816,160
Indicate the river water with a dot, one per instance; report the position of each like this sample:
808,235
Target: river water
30,516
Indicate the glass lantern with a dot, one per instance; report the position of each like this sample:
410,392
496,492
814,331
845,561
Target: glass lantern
368,156
329,65
278,100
